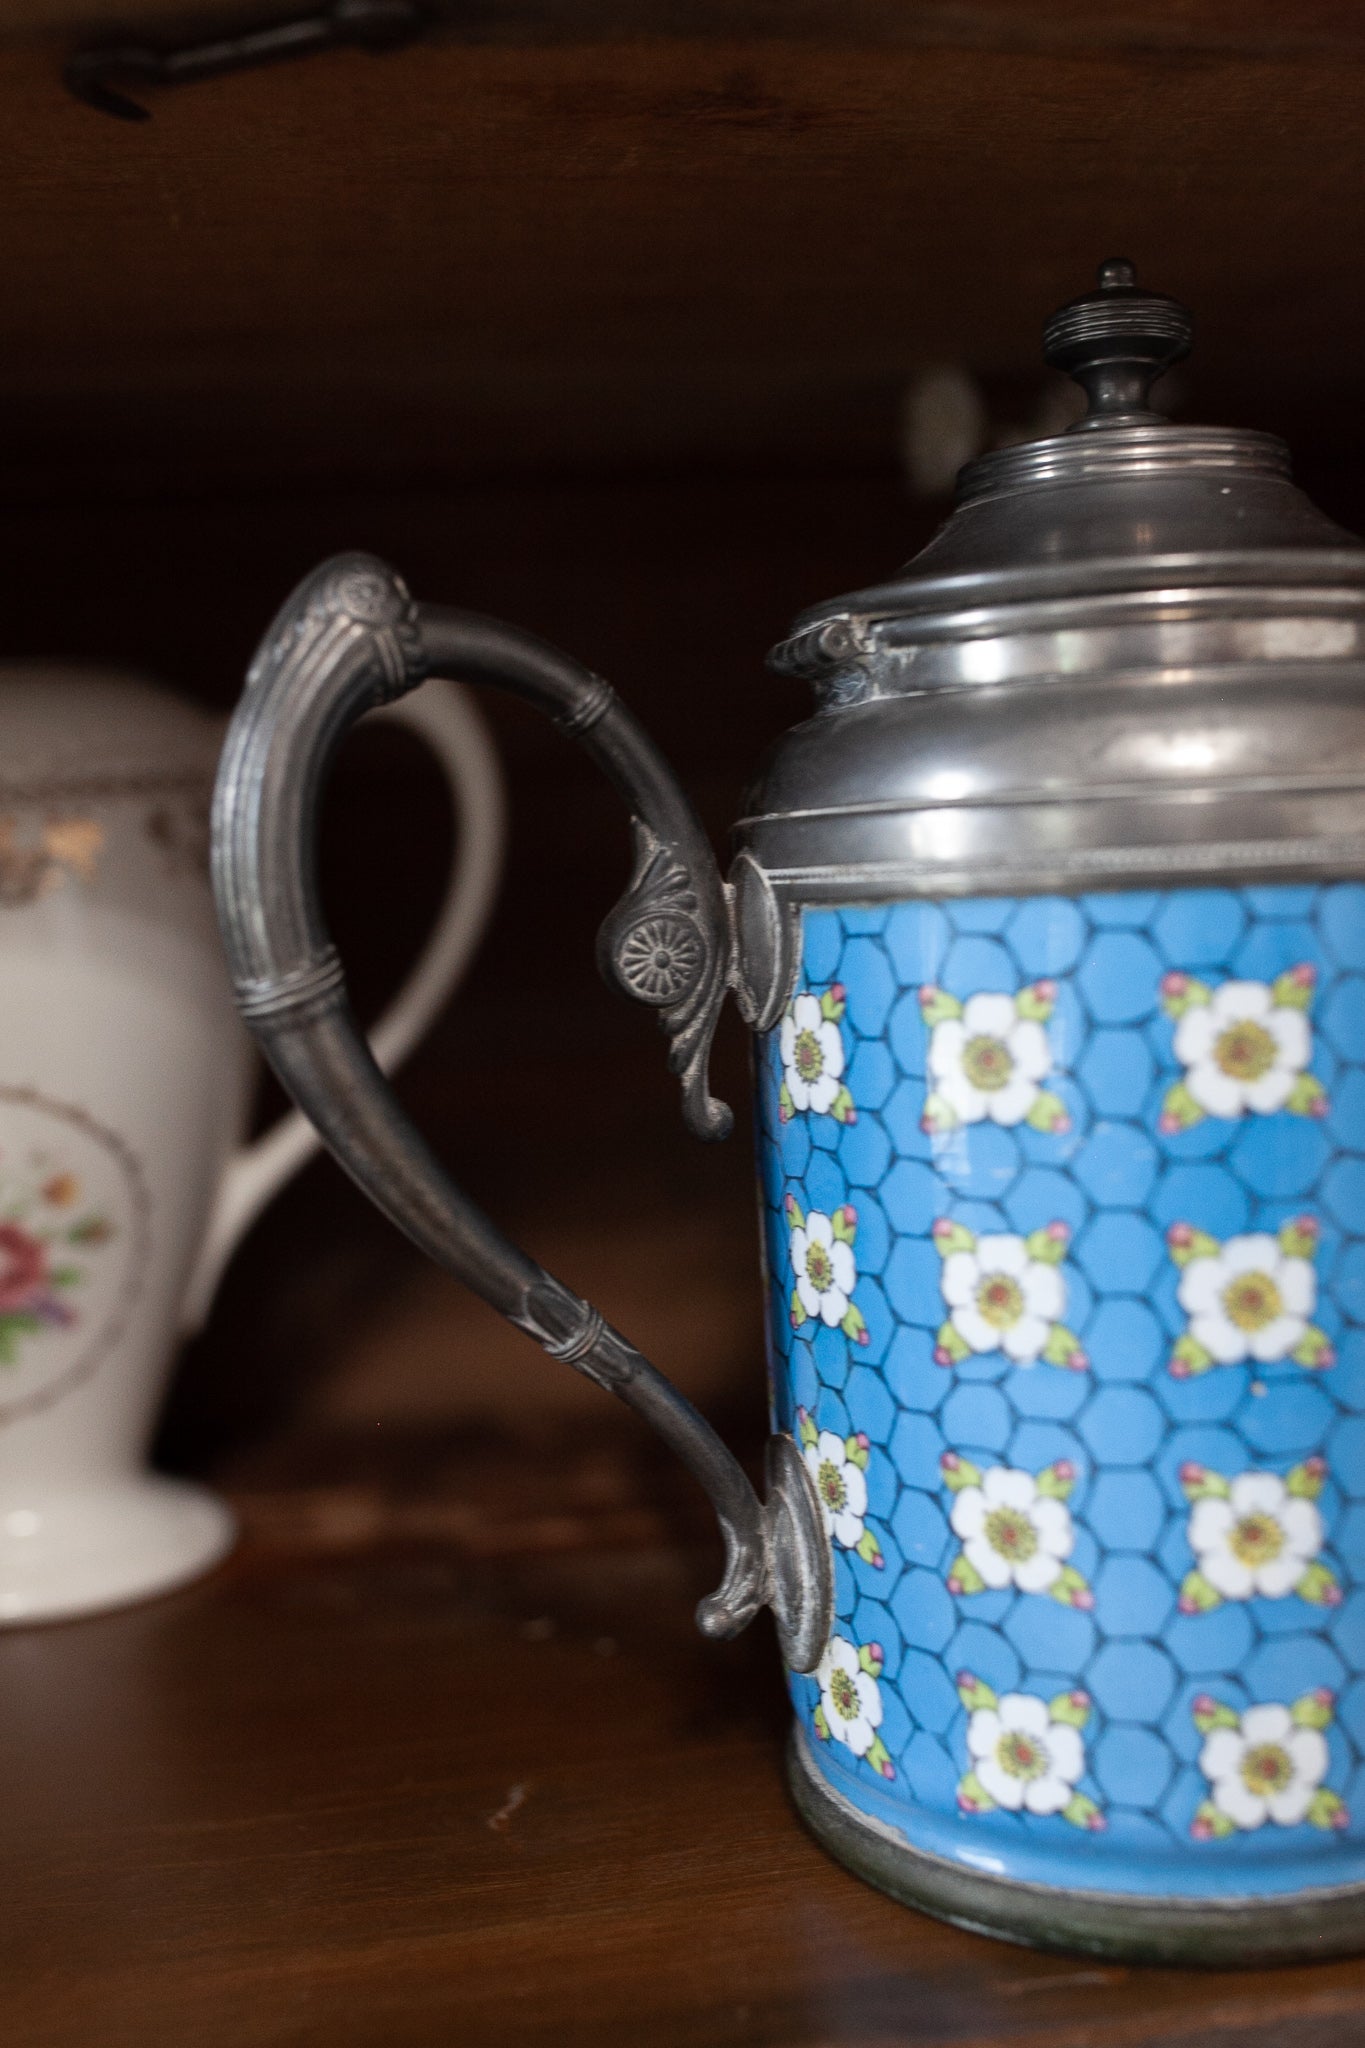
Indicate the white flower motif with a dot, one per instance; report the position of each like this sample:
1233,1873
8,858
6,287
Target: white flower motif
1249,1299
1266,1769
1260,1538
989,1062
826,1272
841,1487
1022,1757
850,1696
1011,1533
1242,1050
812,1049
1000,1299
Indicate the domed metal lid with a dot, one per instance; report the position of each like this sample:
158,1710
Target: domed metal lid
1124,502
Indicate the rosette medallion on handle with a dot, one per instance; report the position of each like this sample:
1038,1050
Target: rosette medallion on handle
351,639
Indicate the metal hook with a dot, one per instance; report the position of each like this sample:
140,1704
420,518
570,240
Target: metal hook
366,24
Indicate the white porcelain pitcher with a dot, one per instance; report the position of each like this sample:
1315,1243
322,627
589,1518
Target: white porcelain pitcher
125,1086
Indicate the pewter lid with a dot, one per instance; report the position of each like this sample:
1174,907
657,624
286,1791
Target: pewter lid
1124,501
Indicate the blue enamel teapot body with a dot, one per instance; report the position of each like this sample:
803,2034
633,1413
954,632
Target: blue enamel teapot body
1050,925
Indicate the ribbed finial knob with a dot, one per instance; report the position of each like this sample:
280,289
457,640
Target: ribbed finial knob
1116,342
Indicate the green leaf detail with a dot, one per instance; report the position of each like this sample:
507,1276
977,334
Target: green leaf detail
1314,1350
963,1576
1198,1483
1037,1001
1049,1246
1298,1238
1307,1097
795,1214
1083,1813
1049,1112
974,1692
1305,1481
938,1115
1294,990
880,1758
1210,1821
1063,1347
1069,1589
853,1325
798,1310
90,1230
1326,1810
869,1550
1319,1587
1179,1110
821,1724
1184,1242
786,1108
856,1452
1198,1595
844,1222
1314,1709
833,1003
843,1108
1189,1358
1208,1714
805,1428
871,1660
958,1471
1058,1480
972,1795
66,1276
953,1343
936,1005
1071,1707
1182,992
952,1237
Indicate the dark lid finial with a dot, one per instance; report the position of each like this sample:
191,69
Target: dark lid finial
1116,342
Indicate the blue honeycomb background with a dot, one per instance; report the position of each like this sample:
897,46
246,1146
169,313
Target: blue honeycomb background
1126,1424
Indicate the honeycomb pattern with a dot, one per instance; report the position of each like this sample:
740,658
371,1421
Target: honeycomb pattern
1125,1424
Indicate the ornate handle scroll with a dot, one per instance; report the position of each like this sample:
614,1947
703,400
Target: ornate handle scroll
351,638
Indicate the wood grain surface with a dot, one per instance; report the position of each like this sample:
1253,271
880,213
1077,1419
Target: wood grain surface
375,1793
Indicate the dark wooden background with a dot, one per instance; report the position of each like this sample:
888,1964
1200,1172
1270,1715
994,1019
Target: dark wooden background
600,318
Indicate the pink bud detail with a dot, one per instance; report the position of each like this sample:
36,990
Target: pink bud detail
1078,1361
1046,991
1202,1830
1079,1699
1097,1823
1203,1704
1064,1469
1191,1474
950,1461
864,1337
1174,984
1180,1234
1167,1123
887,1769
1305,974
942,1356
863,1441
1324,1695
1060,1233
1083,1598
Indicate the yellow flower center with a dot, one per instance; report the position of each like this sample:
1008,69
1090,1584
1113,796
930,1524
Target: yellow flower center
819,1267
1245,1050
1267,1768
1252,1300
844,1694
987,1062
1000,1300
1020,1755
807,1057
1012,1534
830,1486
1257,1539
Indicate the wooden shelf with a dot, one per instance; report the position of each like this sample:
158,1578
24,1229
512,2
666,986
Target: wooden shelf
380,1790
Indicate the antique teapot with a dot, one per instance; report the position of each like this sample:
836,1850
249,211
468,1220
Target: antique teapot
1050,927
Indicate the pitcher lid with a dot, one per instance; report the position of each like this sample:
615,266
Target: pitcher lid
1125,500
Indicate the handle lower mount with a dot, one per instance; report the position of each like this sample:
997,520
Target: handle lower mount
349,639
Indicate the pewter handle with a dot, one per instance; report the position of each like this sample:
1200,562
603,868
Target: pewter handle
349,639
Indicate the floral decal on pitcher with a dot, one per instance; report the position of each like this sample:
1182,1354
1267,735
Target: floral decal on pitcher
1005,1293
1245,1048
988,1058
47,1238
1026,1753
1266,1764
812,1051
1256,1535
825,1268
850,1709
1016,1530
838,1470
1248,1297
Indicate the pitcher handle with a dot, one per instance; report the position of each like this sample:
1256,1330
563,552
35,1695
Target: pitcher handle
350,638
